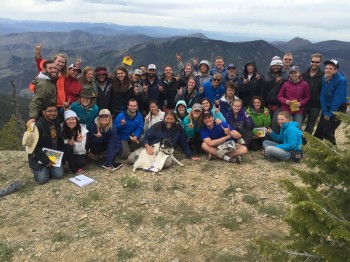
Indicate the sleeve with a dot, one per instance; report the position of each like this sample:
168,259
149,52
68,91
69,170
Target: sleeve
117,120
37,62
277,137
189,131
306,95
37,101
290,142
139,127
281,95
339,95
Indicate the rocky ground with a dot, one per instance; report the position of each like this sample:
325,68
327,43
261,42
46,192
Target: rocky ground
205,211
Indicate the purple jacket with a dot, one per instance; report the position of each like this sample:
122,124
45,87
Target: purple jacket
299,91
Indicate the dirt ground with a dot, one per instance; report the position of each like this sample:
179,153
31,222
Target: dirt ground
205,211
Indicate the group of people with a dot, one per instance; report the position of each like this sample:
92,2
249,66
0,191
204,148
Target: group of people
90,112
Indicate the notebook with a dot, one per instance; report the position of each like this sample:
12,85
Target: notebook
82,180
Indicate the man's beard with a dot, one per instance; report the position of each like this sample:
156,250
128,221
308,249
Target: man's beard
168,125
151,75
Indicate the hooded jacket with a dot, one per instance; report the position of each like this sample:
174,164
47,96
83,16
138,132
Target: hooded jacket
45,90
133,126
180,119
213,93
333,94
86,115
289,137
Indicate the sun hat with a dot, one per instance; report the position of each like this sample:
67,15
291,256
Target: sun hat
30,138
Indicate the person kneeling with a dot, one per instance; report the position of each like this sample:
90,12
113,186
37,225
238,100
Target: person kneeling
219,140
289,140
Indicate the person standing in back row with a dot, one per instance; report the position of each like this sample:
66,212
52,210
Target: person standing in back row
333,98
313,75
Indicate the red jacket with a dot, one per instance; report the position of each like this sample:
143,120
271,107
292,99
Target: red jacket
72,88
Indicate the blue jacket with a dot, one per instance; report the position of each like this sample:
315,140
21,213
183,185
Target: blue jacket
158,132
290,137
110,139
333,94
86,116
211,93
133,126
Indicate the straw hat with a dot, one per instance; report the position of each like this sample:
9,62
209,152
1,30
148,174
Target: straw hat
30,138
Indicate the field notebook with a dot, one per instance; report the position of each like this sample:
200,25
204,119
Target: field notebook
82,180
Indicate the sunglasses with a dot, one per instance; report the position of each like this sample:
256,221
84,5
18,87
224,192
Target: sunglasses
217,79
315,62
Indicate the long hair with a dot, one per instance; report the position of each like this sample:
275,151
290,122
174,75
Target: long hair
210,103
64,69
261,101
199,120
104,129
68,133
121,86
83,81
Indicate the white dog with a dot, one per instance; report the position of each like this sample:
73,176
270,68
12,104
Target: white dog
155,162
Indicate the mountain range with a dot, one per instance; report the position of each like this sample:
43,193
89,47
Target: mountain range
98,47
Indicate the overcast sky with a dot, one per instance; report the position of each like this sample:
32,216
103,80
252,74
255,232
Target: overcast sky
315,20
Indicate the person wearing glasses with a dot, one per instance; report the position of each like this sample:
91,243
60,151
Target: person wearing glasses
103,88
313,76
213,89
50,136
287,62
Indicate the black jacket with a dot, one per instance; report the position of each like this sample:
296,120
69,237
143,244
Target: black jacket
315,83
45,140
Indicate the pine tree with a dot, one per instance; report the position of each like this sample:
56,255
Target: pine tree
319,220
10,135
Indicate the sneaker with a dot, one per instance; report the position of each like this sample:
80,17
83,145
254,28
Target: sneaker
210,157
236,160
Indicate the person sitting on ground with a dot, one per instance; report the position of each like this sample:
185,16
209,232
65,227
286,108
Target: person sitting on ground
241,121
50,136
155,115
193,123
219,140
208,106
228,97
85,107
103,137
74,136
168,128
181,112
129,125
261,119
286,142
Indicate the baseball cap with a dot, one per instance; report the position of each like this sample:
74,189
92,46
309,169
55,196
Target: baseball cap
207,113
137,72
294,69
231,66
104,112
197,106
152,66
332,62
74,66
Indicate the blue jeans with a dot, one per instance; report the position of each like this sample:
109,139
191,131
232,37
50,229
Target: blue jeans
299,119
272,151
42,176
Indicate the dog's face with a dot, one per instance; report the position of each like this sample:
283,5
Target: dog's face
166,146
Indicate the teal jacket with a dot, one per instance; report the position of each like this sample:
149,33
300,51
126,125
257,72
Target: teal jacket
191,131
289,137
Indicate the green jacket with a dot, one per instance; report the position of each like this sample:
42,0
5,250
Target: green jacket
260,119
45,90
